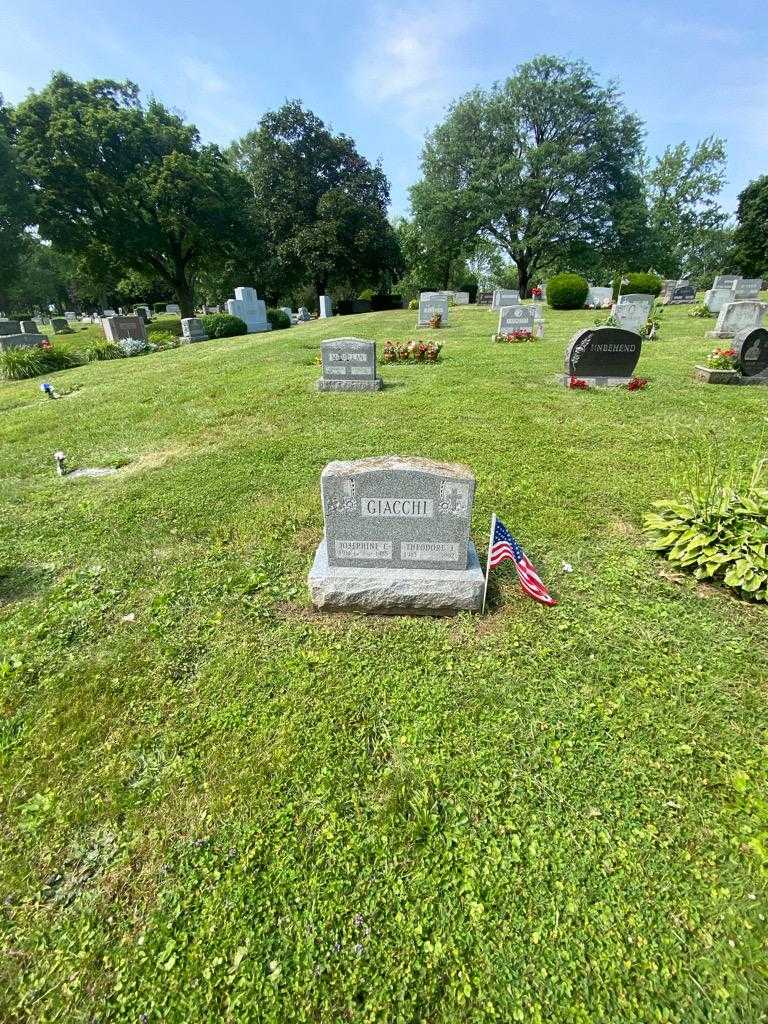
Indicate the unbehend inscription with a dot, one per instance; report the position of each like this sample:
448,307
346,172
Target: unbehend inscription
428,551
407,508
371,550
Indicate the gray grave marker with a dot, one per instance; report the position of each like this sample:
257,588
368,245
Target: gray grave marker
349,364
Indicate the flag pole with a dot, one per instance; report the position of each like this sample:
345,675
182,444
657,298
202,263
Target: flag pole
488,560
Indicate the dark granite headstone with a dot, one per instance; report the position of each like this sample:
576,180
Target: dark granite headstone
683,293
9,327
484,298
603,355
752,352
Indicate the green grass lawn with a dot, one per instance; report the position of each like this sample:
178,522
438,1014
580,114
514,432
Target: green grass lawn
221,805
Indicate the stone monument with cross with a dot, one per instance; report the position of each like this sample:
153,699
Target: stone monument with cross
251,309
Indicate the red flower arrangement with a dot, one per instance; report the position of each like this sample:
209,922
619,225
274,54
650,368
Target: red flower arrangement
637,384
411,352
578,384
536,292
45,343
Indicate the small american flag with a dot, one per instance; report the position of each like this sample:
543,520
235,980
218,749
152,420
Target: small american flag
502,546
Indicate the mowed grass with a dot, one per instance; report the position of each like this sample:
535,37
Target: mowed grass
220,805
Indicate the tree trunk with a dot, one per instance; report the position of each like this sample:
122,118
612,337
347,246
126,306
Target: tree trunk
321,283
522,276
183,292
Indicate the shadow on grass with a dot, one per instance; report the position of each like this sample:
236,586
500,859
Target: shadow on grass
20,581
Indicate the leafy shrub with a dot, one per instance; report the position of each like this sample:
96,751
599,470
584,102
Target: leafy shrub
638,284
20,316
163,340
413,304
278,319
223,325
701,310
567,291
162,326
133,346
366,294
102,349
22,363
720,531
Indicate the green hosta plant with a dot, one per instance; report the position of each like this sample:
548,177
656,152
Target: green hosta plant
701,311
720,532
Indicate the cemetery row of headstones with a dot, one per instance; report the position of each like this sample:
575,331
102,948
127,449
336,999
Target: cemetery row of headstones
731,288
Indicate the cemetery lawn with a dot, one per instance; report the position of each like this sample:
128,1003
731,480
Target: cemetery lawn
219,805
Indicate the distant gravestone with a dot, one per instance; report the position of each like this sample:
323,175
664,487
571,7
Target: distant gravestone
738,316
60,325
484,298
251,309
430,306
8,327
192,329
461,298
751,357
598,297
349,364
303,314
603,356
504,297
517,318
632,311
326,307
110,312
746,288
173,307
678,293
29,327
70,316
120,328
716,298
725,280
144,312
19,334
397,538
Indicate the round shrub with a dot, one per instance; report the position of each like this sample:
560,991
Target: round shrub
413,304
278,319
638,284
567,291
222,325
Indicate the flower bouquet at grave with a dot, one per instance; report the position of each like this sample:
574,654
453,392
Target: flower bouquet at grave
722,359
411,352
577,384
436,320
513,337
652,326
637,384
536,292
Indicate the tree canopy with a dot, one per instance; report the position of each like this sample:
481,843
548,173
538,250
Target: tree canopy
129,184
751,235
321,205
539,164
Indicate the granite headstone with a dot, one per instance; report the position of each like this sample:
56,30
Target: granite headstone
517,318
251,310
349,364
192,329
120,328
429,307
632,311
738,316
397,538
751,357
603,356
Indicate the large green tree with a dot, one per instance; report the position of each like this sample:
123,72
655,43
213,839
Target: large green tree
538,164
16,208
751,235
321,205
133,183
685,219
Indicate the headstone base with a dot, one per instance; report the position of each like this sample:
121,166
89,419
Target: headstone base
598,382
400,592
720,335
324,384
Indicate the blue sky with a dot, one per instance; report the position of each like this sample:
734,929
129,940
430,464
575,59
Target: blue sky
384,73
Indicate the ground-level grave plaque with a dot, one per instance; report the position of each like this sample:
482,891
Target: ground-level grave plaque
431,305
602,356
738,316
397,538
632,311
349,364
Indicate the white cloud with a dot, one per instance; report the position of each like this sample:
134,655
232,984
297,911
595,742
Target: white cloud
409,60
204,76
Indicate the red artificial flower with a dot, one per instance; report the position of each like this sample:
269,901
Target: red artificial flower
578,384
